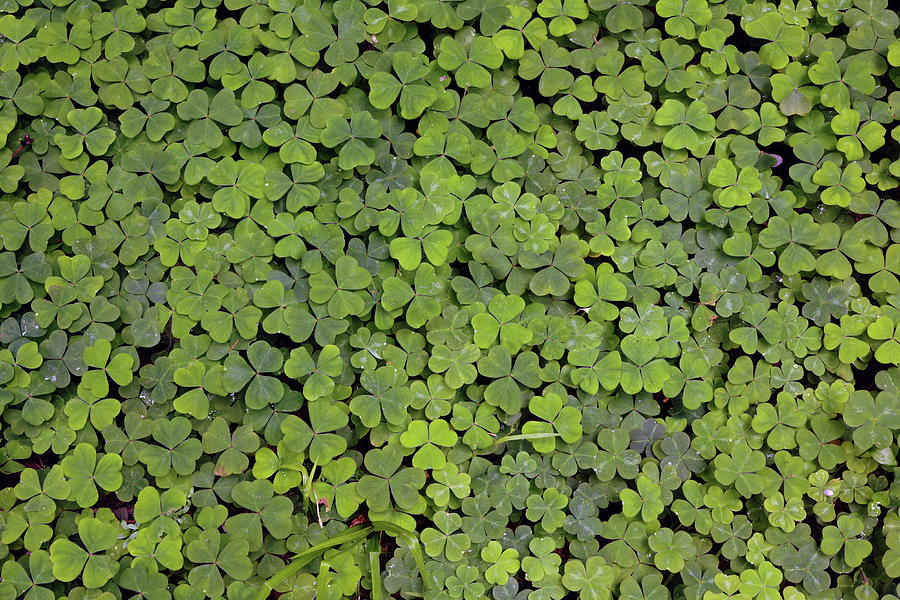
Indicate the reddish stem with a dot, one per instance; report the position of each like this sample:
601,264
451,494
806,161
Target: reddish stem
26,141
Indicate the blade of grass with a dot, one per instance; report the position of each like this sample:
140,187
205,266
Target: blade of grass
307,490
322,580
513,437
375,568
410,540
301,560
526,436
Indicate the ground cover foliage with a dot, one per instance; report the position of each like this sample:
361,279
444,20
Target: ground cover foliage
595,299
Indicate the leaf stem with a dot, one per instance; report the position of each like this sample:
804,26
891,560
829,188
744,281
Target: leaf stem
26,141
